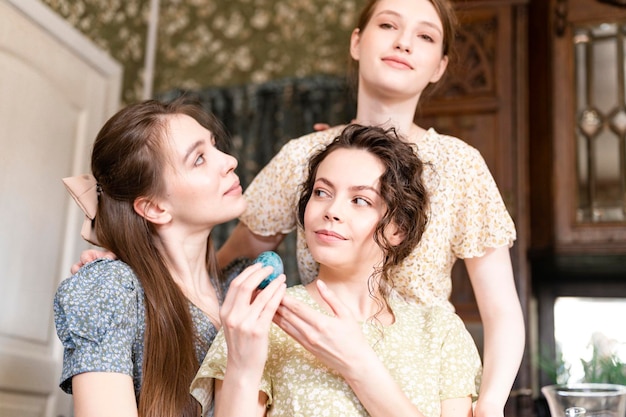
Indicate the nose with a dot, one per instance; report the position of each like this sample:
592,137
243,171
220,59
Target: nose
230,163
329,216
333,212
403,41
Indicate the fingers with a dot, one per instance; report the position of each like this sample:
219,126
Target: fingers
242,287
293,310
321,126
74,269
243,299
108,255
296,319
290,325
250,273
247,324
270,298
335,304
91,255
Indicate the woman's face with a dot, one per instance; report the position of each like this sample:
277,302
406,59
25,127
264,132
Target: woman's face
201,187
400,50
341,216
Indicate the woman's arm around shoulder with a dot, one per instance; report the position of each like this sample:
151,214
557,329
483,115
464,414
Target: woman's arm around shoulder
90,255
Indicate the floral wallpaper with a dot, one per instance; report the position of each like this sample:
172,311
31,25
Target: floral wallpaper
218,42
119,27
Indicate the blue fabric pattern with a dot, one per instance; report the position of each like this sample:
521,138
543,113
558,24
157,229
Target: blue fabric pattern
100,319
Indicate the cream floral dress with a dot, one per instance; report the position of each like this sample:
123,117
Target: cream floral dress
427,350
467,214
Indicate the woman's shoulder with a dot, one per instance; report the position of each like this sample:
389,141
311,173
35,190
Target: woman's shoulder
312,141
103,278
452,158
435,143
433,316
291,161
100,305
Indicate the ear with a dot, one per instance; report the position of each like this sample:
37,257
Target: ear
355,41
443,64
151,211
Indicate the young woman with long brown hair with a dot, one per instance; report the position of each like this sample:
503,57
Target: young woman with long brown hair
135,330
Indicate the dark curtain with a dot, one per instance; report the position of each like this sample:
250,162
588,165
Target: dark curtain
261,118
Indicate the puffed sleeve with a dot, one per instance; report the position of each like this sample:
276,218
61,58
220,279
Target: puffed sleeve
214,367
461,368
274,192
95,314
482,220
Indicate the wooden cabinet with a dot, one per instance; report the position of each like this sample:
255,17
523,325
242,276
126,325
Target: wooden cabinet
577,131
577,149
483,102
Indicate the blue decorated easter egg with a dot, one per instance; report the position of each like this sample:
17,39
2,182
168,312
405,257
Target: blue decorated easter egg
272,259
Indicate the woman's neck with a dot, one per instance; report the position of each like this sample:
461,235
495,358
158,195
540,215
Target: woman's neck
186,261
399,114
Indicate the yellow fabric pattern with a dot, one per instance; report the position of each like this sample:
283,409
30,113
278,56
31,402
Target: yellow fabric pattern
467,214
427,350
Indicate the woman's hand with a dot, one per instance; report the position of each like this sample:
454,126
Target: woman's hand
337,341
90,255
246,316
318,127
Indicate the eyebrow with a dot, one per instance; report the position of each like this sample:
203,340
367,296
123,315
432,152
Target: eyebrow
353,188
192,148
396,14
196,145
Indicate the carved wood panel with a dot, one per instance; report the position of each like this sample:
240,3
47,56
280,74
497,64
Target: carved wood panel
477,103
483,102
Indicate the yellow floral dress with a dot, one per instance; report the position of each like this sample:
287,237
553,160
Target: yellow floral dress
427,350
467,214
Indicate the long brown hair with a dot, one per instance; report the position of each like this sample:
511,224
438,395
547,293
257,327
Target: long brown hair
128,161
401,188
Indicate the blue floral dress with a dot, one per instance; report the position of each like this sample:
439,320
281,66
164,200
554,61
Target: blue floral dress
100,319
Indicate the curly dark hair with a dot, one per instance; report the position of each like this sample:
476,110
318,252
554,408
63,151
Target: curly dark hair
401,188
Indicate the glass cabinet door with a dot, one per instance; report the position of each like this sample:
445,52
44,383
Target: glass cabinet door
588,127
601,122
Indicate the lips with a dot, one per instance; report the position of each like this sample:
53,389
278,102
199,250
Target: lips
397,62
234,189
329,235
